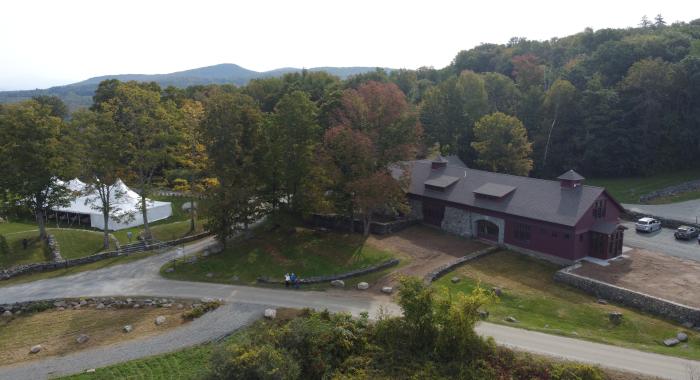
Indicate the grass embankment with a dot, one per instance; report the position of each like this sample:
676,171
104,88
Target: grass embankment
56,331
281,246
628,190
73,244
538,303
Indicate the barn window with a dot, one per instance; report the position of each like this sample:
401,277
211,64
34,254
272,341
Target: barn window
522,232
566,236
599,208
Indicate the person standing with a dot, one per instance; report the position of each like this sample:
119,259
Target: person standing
287,280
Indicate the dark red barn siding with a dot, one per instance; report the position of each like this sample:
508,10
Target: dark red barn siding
613,210
546,238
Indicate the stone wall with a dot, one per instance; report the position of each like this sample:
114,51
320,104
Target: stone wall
54,249
668,223
671,190
457,221
48,266
441,271
354,273
340,222
539,255
644,302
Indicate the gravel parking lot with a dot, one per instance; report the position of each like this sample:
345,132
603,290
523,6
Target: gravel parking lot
662,241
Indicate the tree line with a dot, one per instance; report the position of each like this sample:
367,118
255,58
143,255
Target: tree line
612,102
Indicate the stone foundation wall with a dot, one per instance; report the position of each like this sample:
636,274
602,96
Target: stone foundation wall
457,221
416,209
644,302
539,255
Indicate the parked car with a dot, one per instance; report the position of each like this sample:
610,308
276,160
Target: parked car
647,225
686,233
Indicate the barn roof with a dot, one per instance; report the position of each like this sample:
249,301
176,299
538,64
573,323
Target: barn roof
527,197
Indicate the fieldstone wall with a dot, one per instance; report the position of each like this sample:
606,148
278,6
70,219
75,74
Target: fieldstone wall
416,208
457,221
645,302
441,271
671,190
668,223
354,273
100,303
54,249
340,222
48,266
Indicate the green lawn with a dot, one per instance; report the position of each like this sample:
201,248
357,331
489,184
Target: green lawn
533,298
73,243
273,252
628,190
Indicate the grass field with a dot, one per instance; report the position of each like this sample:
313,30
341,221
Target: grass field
538,303
274,251
628,190
73,243
56,331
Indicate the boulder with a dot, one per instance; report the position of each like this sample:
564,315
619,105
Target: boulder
90,370
136,306
511,319
338,283
180,306
483,314
455,279
129,300
615,317
497,291
682,337
61,308
688,325
100,306
82,338
387,289
7,313
210,275
270,313
602,301
671,342
363,286
128,328
188,205
59,304
36,349
160,320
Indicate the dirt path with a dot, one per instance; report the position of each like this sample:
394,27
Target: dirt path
425,248
653,273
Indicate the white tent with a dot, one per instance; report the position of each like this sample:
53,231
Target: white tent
125,203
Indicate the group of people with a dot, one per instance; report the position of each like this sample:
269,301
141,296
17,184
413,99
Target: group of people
291,280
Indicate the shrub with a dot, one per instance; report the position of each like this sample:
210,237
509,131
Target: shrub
39,306
200,310
568,371
250,362
4,246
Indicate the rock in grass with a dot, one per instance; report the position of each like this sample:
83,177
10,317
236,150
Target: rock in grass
511,319
497,291
671,342
128,328
100,306
210,275
160,320
483,314
455,279
82,338
338,283
387,289
36,349
270,313
682,337
615,317
363,286
602,301
7,313
688,325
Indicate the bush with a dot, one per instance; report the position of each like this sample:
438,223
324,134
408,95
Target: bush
570,371
39,306
4,246
251,362
200,310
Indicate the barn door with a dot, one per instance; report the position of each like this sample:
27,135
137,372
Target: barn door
433,212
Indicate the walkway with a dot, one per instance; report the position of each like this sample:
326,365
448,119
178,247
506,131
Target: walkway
141,278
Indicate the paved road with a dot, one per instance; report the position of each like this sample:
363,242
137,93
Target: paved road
662,241
688,211
141,278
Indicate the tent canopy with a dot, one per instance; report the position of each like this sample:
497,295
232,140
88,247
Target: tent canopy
125,203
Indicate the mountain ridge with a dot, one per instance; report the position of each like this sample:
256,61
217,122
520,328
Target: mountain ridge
79,94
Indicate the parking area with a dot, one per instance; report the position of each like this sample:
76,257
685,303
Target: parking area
662,241
652,273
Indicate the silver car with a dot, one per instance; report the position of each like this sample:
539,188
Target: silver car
647,225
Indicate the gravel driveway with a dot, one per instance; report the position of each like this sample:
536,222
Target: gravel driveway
662,241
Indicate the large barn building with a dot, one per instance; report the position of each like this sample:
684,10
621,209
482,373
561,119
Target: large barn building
562,221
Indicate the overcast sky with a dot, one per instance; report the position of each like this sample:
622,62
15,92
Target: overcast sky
47,43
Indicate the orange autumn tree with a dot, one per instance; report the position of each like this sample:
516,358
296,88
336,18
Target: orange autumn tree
374,127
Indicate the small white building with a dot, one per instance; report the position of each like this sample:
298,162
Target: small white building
126,203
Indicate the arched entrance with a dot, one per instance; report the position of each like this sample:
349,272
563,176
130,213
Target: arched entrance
487,230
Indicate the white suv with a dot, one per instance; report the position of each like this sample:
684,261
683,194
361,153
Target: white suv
647,225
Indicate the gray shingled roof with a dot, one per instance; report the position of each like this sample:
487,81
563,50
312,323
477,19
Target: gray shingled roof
571,176
533,198
494,190
442,181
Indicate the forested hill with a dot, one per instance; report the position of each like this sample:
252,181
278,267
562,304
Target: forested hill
80,94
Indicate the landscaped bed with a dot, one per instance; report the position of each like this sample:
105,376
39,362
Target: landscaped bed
277,248
531,297
57,329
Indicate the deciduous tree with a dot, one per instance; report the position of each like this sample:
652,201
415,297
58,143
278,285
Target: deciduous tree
501,144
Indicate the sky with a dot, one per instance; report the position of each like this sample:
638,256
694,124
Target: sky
45,43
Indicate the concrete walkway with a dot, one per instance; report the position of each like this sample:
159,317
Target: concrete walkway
244,303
